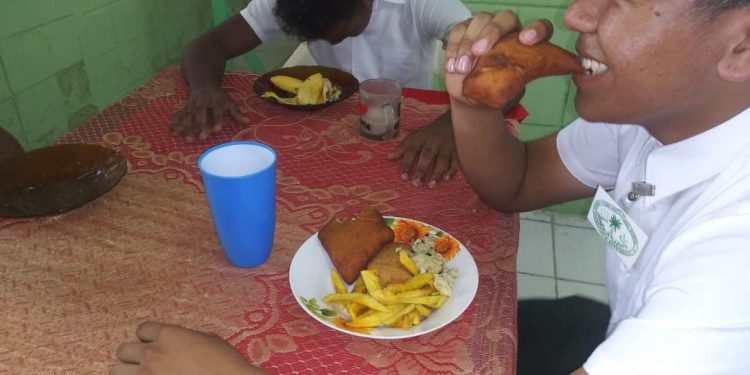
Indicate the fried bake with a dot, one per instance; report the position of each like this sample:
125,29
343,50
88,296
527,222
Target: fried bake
386,262
352,243
503,72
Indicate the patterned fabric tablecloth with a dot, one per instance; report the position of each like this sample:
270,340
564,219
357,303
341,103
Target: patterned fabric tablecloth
74,286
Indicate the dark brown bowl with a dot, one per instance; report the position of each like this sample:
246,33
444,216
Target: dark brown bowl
56,179
348,84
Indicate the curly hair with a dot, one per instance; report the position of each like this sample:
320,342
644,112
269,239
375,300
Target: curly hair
311,19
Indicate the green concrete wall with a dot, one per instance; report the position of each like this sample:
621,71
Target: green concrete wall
61,62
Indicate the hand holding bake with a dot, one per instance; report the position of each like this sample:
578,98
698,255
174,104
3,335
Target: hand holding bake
503,72
473,39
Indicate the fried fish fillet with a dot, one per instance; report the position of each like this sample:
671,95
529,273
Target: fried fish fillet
352,243
389,267
503,72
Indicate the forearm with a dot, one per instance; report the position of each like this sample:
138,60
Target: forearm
203,64
492,159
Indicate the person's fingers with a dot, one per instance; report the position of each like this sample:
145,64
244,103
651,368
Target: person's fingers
453,167
131,352
537,31
237,114
426,157
125,369
150,331
409,156
175,124
451,48
464,55
500,25
217,121
442,163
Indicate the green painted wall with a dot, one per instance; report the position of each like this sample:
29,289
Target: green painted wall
61,62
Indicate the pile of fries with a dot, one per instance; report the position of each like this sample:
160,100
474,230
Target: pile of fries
400,305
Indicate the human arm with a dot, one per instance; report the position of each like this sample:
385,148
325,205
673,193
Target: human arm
508,175
169,349
203,66
8,145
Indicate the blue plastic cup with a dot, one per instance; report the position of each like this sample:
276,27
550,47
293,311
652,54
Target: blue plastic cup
240,181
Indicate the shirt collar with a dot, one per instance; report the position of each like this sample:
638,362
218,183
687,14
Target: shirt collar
678,166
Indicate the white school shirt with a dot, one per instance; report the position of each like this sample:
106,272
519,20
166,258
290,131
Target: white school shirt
684,307
398,43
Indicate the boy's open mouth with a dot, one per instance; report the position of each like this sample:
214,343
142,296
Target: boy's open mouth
592,66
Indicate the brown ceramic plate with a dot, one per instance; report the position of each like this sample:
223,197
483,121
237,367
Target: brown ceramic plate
57,179
348,84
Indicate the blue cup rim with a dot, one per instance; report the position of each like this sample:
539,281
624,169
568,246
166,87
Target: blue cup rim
234,143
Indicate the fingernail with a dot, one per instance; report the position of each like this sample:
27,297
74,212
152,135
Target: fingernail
528,35
404,176
432,184
481,46
450,65
463,64
447,177
416,182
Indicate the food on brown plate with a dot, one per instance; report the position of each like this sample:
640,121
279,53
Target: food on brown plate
503,72
352,243
388,265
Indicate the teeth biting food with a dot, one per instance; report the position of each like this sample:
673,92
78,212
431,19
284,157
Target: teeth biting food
504,71
352,243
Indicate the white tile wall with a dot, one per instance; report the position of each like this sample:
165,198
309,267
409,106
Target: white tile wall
535,249
531,286
559,256
579,254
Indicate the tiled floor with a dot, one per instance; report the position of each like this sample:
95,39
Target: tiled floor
558,256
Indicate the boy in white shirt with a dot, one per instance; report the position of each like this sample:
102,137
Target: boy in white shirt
665,128
393,39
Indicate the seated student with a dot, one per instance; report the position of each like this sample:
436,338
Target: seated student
8,145
666,101
393,39
665,128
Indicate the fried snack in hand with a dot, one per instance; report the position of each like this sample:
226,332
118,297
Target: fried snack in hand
389,267
352,243
503,72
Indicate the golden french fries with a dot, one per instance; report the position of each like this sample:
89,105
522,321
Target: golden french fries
406,261
338,283
401,305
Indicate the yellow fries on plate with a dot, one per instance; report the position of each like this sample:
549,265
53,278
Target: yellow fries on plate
400,305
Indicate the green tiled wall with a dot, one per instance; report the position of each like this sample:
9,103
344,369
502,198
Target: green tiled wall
61,62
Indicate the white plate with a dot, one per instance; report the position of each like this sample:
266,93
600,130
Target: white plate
309,277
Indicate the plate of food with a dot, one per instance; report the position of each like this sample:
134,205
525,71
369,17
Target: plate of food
406,278
56,179
305,88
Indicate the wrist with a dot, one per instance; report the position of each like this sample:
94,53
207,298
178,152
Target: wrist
475,115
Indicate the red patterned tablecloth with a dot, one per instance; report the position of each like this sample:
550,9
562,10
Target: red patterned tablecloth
74,286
